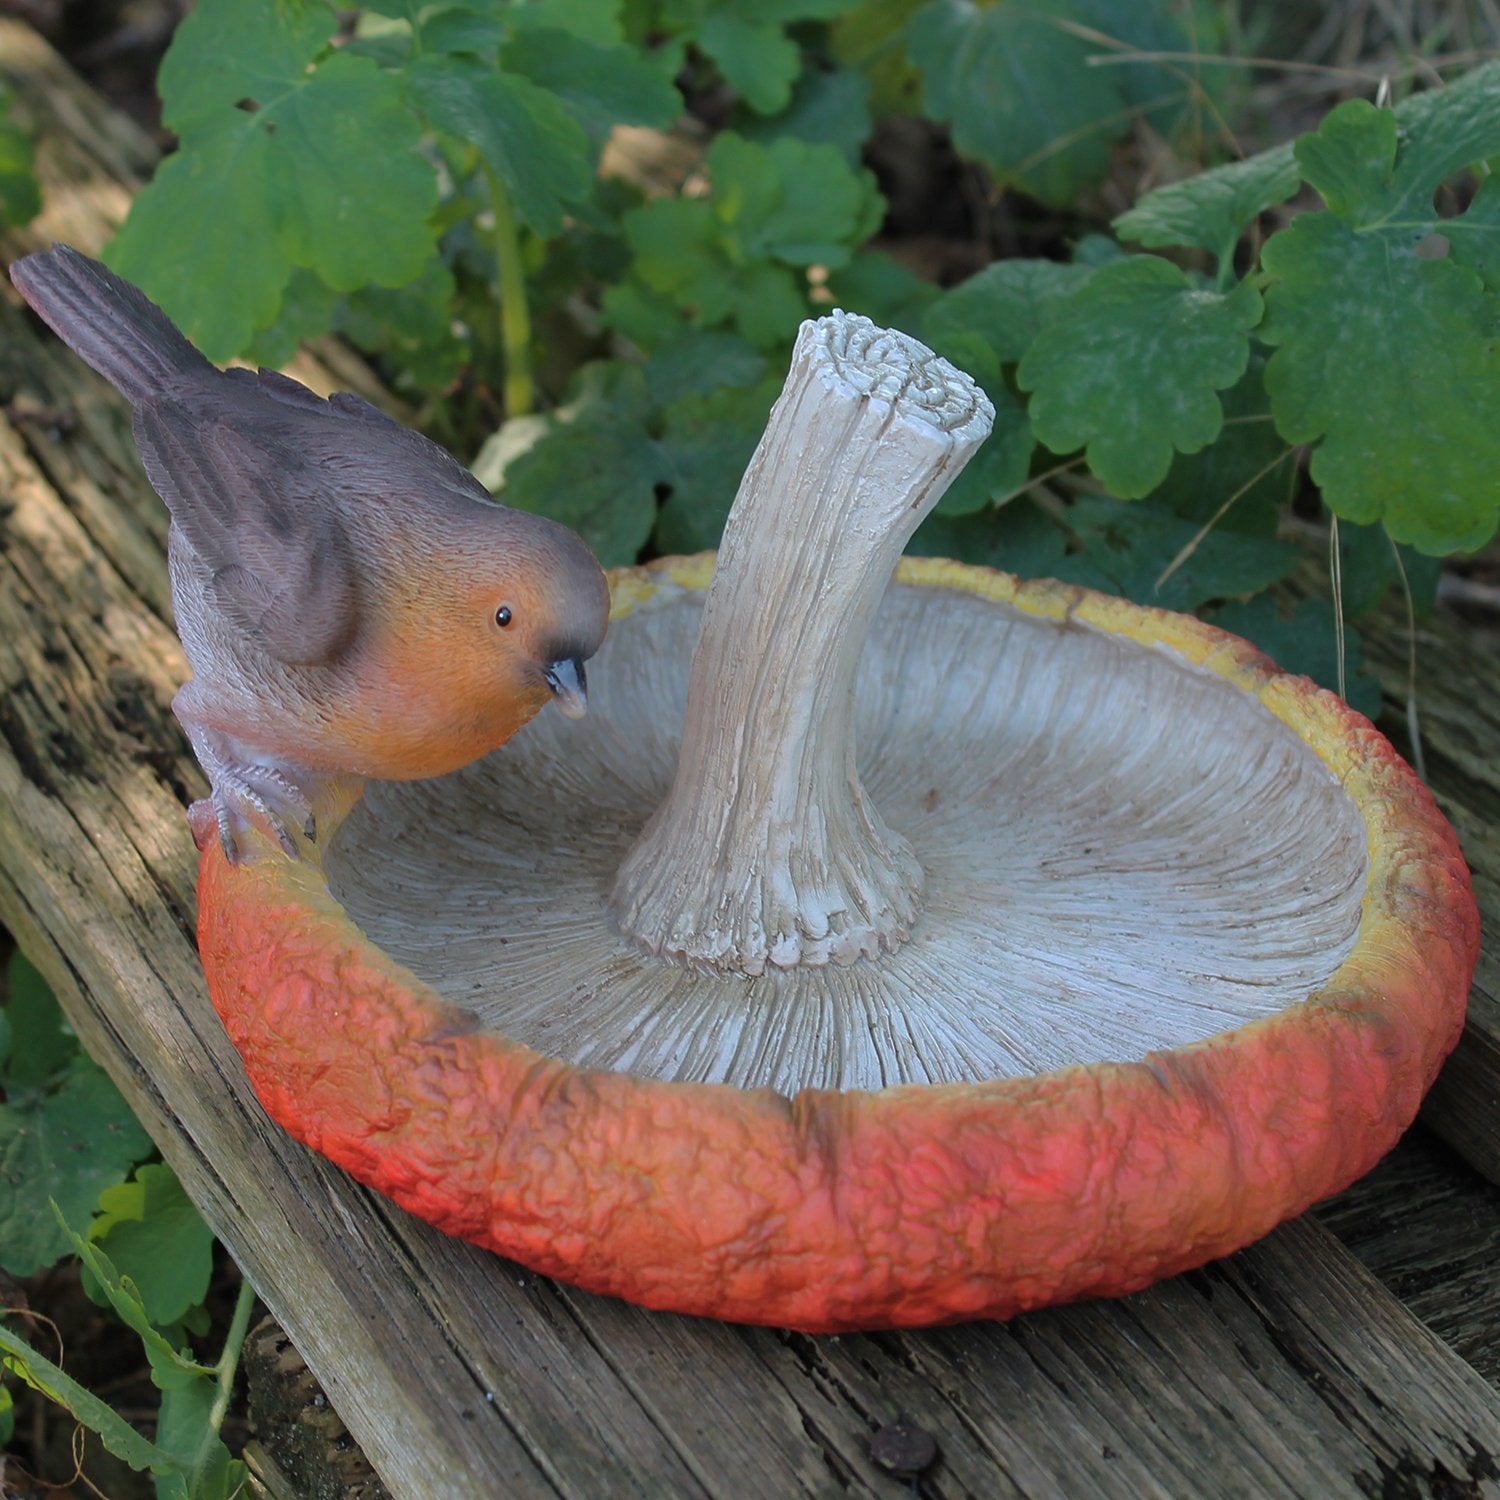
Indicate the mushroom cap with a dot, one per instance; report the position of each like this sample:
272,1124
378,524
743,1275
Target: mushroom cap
827,1208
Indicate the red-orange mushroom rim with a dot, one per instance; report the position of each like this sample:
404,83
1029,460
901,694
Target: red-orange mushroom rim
830,1208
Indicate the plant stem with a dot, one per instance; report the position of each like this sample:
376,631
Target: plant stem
514,315
229,1358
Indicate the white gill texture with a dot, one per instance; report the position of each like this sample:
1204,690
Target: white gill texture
1122,852
766,852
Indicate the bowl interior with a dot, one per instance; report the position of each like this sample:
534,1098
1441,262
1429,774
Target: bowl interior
1123,852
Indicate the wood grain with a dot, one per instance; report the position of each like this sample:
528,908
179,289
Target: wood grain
1287,1370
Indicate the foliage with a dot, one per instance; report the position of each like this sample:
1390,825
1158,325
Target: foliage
426,178
20,195
188,1457
65,1132
67,1143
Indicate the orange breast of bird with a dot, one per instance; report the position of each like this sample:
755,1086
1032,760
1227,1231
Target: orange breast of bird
421,700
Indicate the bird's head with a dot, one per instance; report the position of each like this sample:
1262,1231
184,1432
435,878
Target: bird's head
536,606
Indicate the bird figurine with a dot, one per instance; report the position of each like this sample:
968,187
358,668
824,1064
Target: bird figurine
352,601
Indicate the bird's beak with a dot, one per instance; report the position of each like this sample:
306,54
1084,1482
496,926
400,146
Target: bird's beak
569,687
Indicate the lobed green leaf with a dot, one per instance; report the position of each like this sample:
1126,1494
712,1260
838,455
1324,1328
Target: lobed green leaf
1388,362
831,107
1130,367
1017,84
524,134
67,1143
601,86
1125,548
1018,538
1249,459
1007,304
596,467
290,156
152,1234
706,444
1213,209
169,1367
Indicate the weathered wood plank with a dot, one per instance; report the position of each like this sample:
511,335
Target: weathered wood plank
1428,1225
1286,1370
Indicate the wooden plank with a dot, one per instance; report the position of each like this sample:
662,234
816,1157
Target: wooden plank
1428,1225
1286,1370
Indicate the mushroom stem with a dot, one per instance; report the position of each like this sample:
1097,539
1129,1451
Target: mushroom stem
766,850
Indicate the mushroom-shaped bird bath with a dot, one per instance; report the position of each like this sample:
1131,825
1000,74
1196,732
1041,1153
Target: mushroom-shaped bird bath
902,952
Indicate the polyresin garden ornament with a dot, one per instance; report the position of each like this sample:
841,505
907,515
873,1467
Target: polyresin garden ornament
879,951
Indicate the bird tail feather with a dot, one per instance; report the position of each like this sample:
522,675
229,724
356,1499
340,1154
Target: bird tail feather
107,322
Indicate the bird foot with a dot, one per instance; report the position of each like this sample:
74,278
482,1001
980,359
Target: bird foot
248,794
235,805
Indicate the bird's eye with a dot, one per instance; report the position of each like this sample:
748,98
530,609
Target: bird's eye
502,616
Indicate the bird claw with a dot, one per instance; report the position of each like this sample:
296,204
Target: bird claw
241,798
230,808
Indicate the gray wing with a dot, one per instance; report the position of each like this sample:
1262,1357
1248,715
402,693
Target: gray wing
280,563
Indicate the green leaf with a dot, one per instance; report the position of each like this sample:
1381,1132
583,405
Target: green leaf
1380,168
1018,538
1248,459
67,1144
1016,83
42,1043
697,363
793,201
1385,354
1304,640
117,1435
1131,367
1007,304
20,193
747,42
726,258
308,307
1000,466
1125,549
594,20
883,290
1368,571
601,86
152,1233
290,155
184,1428
1349,158
1390,360
831,107
169,1368
524,133
1213,209
706,446
648,318
756,58
1474,238
7,1417
412,326
597,467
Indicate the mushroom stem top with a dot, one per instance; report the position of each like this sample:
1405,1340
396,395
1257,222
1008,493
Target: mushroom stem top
767,851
